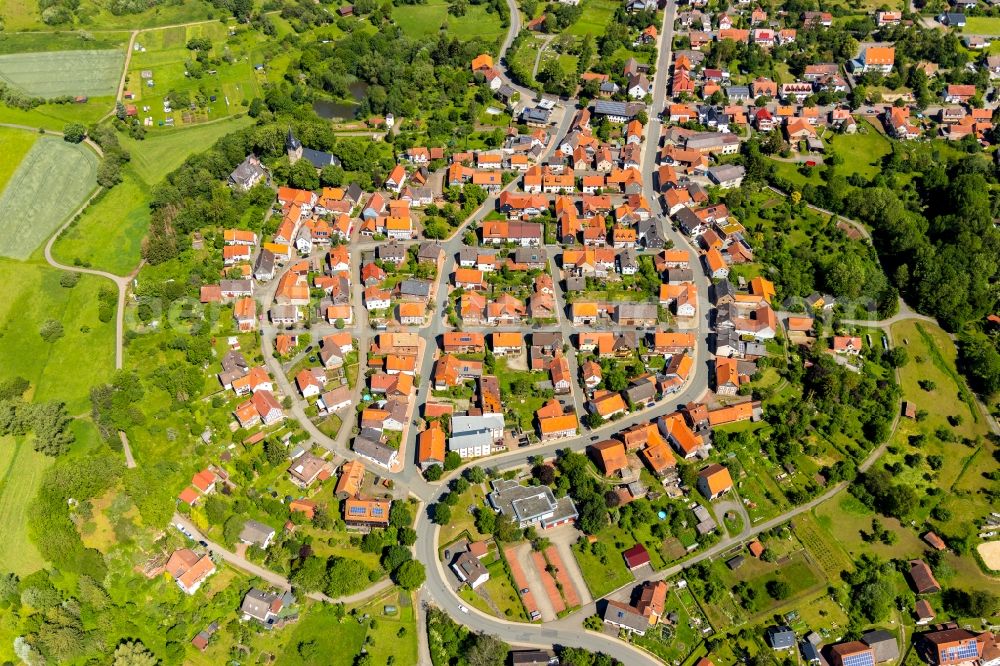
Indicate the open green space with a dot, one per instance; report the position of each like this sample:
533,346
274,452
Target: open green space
861,152
55,73
14,145
67,368
18,15
427,19
51,182
54,117
603,572
108,235
595,17
982,25
28,42
21,469
163,151
170,89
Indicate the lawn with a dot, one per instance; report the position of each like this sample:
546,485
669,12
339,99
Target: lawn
21,470
462,519
862,152
594,19
197,96
844,518
25,15
14,145
982,25
108,236
673,643
163,151
602,577
337,639
425,20
55,73
51,182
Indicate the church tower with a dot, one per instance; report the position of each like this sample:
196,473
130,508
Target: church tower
293,146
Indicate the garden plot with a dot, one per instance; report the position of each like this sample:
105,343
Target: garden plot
57,73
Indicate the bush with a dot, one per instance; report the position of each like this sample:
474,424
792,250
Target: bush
51,330
69,279
74,133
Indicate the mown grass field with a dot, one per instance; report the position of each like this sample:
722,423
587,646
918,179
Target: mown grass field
14,145
54,73
66,369
594,19
426,19
982,25
232,85
108,236
163,151
21,470
51,182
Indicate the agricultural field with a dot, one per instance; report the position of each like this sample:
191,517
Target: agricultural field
108,235
423,20
21,470
51,182
32,42
168,86
55,73
58,370
53,117
14,145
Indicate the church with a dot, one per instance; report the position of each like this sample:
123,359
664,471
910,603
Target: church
317,158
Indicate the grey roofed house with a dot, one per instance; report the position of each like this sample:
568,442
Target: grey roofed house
724,316
429,251
723,290
628,260
467,255
234,360
708,140
529,505
536,115
236,286
752,349
551,340
414,288
609,87
391,251
603,107
738,92
257,533
263,267
625,617
780,637
576,283
469,569
354,193
506,92
809,652
532,256
883,645
533,658
284,313
248,173
679,275
369,445
726,174
687,220
649,233
630,312
726,342
641,393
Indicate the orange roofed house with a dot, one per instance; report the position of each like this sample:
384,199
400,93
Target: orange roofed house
430,446
189,569
714,481
609,456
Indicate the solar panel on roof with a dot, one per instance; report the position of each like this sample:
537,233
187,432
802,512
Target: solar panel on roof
861,659
377,511
964,651
357,510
